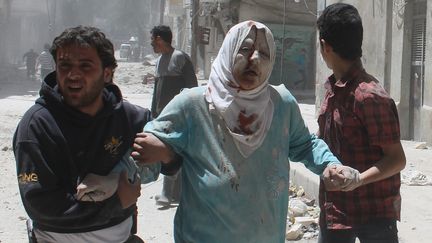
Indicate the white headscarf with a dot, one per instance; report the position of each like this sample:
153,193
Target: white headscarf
233,103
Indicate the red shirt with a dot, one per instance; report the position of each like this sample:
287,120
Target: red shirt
356,117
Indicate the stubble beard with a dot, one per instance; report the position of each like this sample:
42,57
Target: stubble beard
87,98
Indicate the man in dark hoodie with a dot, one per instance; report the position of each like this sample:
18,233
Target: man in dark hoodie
78,129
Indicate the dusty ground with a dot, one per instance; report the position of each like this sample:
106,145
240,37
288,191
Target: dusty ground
155,224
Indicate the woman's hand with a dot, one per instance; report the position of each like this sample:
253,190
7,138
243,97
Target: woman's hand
150,149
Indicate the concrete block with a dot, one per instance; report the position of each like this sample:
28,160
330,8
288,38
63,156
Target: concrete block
301,176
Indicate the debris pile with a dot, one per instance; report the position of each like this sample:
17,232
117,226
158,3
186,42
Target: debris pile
415,178
303,215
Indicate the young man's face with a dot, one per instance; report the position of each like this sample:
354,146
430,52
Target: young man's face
326,52
81,78
157,43
252,63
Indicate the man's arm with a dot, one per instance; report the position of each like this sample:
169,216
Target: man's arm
393,162
47,197
188,72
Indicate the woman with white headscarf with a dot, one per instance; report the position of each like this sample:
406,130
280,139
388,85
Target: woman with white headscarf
234,139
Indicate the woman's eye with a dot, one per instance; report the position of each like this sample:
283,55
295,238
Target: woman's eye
264,54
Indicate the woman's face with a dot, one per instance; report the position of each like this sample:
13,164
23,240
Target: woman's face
252,63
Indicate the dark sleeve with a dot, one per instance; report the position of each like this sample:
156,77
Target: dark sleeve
138,116
154,98
188,71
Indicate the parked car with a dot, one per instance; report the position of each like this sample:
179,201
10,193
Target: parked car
125,50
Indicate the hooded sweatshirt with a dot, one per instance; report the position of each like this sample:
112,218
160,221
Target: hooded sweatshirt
56,146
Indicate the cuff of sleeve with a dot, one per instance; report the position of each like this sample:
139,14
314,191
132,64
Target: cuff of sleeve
173,167
334,163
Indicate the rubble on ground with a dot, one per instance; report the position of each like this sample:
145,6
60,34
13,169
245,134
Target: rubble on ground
303,215
415,178
150,60
421,146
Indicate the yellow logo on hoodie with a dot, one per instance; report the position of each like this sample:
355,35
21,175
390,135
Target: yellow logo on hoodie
112,145
24,178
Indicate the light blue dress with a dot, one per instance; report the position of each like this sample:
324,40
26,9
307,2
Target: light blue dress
226,197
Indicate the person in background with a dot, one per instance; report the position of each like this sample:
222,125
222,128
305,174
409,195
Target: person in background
359,122
46,62
75,134
234,139
174,71
30,60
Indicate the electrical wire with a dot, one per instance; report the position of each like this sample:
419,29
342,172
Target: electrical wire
307,7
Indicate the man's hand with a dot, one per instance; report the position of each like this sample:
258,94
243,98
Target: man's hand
341,178
96,188
150,149
128,193
352,178
332,179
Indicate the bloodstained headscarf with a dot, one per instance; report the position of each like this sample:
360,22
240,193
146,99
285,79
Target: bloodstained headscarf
241,108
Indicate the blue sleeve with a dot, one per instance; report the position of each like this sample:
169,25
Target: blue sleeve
172,126
305,147
146,173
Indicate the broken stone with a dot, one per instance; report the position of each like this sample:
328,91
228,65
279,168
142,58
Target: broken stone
297,207
300,191
421,146
415,178
305,221
294,232
308,201
310,235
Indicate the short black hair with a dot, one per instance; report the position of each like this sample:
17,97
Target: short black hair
89,37
163,31
340,25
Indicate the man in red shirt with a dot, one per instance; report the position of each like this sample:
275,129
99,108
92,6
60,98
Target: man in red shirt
359,122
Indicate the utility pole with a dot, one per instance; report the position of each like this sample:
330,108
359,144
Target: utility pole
162,11
194,31
5,13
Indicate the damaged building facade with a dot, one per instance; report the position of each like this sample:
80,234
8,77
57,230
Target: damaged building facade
292,23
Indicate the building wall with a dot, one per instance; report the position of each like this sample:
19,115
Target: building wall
387,55
27,28
295,60
426,127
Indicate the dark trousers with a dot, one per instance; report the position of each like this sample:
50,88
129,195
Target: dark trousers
31,70
378,231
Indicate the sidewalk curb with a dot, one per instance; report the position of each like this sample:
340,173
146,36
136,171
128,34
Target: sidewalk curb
301,176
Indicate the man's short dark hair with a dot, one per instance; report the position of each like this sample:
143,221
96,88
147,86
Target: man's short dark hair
341,27
88,37
163,31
